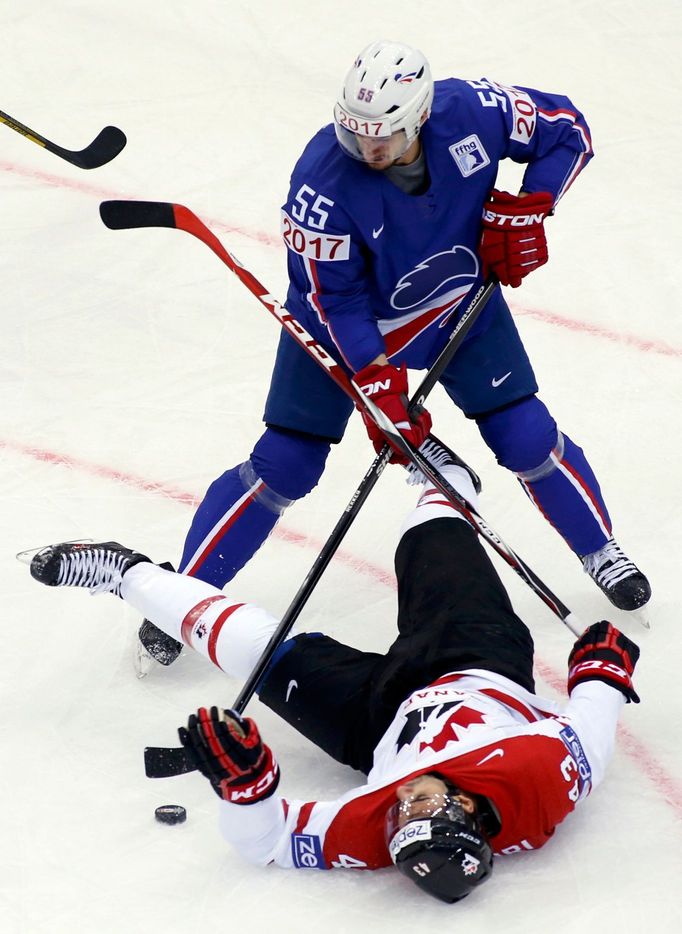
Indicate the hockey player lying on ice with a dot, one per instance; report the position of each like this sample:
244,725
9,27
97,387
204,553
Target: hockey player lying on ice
462,758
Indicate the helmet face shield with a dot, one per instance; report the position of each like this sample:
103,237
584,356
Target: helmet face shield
370,141
419,807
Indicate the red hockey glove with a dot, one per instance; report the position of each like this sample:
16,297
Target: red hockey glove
513,239
228,750
603,653
387,388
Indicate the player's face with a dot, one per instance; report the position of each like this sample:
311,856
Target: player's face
426,796
379,154
418,797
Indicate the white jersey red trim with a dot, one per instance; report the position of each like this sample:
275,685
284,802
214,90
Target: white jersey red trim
482,732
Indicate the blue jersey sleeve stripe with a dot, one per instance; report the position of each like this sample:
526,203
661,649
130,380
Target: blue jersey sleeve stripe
583,157
572,117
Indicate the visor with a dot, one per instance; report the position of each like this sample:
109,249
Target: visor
368,140
409,821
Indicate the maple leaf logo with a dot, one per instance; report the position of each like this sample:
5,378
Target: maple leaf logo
463,717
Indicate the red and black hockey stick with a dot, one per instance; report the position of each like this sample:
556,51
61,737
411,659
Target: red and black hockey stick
105,147
117,215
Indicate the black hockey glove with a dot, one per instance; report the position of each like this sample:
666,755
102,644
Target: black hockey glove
228,750
603,653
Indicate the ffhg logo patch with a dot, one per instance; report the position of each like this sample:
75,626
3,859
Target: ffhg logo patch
469,155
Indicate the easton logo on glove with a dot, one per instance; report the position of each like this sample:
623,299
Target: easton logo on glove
513,241
387,385
380,386
511,220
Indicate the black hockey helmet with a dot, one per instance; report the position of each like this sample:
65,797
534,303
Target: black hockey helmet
446,855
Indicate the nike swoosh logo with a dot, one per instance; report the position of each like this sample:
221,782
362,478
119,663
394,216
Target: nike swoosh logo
498,382
377,233
491,755
292,685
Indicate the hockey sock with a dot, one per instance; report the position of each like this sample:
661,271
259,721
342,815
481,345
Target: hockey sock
230,525
567,493
433,505
230,634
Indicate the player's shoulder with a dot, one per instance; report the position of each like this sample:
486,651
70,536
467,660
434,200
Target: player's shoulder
451,95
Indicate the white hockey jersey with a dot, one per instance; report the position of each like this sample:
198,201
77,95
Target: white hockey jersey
484,733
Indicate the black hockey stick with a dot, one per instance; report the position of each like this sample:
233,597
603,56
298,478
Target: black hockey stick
105,147
123,215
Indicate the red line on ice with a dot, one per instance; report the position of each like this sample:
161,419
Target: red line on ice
636,750
634,341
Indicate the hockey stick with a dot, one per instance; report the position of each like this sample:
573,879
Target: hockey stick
127,214
105,147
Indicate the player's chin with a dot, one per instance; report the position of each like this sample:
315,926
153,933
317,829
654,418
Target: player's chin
379,165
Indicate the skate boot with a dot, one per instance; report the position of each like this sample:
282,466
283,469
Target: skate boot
439,456
97,567
613,572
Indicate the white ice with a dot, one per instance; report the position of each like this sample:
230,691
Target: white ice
134,370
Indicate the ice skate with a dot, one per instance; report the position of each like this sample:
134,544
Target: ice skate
618,577
98,568
440,456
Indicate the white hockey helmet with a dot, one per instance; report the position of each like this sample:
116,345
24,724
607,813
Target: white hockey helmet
386,96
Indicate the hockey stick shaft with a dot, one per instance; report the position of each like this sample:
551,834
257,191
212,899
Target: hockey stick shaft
105,147
462,328
570,620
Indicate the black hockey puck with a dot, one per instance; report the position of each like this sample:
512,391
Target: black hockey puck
171,814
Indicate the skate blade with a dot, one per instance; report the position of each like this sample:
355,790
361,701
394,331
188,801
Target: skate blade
25,557
143,662
641,616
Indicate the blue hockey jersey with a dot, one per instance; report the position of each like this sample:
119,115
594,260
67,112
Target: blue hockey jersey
375,270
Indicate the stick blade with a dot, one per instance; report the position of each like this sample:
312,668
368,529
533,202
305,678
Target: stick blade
105,147
161,762
123,215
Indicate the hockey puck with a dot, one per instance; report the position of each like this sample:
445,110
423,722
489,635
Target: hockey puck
171,814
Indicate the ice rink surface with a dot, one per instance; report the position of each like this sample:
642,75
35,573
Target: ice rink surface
134,370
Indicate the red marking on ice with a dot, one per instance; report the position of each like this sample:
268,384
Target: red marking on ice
107,194
634,341
292,537
642,344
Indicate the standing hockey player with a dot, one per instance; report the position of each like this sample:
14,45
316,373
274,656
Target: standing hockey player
463,758
392,219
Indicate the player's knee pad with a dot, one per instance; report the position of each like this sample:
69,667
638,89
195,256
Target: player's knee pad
523,437
289,463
